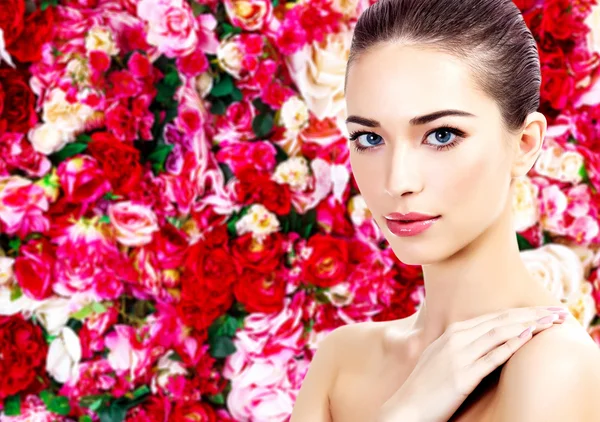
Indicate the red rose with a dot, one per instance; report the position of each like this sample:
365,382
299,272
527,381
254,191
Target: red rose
193,411
256,187
23,353
327,264
12,14
34,268
557,87
401,306
200,306
260,292
206,285
18,154
114,156
18,113
37,30
261,257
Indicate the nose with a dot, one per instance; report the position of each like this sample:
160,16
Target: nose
403,171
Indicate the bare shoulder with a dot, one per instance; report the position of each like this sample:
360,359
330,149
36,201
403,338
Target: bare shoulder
339,347
553,377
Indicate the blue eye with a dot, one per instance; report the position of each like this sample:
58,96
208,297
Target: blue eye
445,138
442,135
370,139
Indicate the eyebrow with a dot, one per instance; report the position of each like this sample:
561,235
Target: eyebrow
415,121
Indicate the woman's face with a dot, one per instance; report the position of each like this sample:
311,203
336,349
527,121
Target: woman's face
461,174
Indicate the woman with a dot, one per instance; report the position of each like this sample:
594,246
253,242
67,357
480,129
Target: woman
442,98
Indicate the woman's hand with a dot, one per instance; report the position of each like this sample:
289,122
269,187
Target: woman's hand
452,366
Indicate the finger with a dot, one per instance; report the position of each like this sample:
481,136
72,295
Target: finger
504,316
496,336
483,366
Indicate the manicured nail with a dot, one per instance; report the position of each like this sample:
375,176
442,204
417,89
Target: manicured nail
555,308
547,319
527,332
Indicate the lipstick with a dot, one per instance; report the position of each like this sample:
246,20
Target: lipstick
410,224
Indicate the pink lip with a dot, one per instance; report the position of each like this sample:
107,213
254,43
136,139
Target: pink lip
411,216
409,228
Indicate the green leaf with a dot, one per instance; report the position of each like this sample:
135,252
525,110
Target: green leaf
262,124
12,405
236,94
260,106
218,107
523,243
199,9
69,150
217,399
15,244
94,402
85,418
159,156
15,292
98,307
223,87
227,172
55,404
141,391
83,313
221,347
83,138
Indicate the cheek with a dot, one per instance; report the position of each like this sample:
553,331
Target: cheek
369,178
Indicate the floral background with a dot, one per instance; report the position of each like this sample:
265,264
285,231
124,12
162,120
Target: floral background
179,225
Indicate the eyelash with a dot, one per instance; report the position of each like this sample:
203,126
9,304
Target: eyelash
460,135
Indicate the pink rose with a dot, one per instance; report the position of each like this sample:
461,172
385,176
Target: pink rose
134,223
22,205
34,268
172,27
82,180
262,392
250,15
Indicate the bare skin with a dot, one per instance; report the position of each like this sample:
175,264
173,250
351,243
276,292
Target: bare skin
470,257
381,355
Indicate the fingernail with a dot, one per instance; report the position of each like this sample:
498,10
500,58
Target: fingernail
556,308
547,319
527,332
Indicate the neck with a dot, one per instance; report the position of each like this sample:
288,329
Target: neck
486,276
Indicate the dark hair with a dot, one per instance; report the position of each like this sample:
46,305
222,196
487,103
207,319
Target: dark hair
490,35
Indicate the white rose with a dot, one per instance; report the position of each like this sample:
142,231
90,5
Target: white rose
78,69
340,295
524,203
4,56
64,356
99,38
259,221
167,367
358,210
69,117
561,271
319,70
570,164
230,56
548,162
593,22
6,270
53,313
294,172
48,138
204,83
294,114
10,307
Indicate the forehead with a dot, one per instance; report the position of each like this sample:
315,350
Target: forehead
398,80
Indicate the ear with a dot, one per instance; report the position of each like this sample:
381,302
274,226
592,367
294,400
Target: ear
529,144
